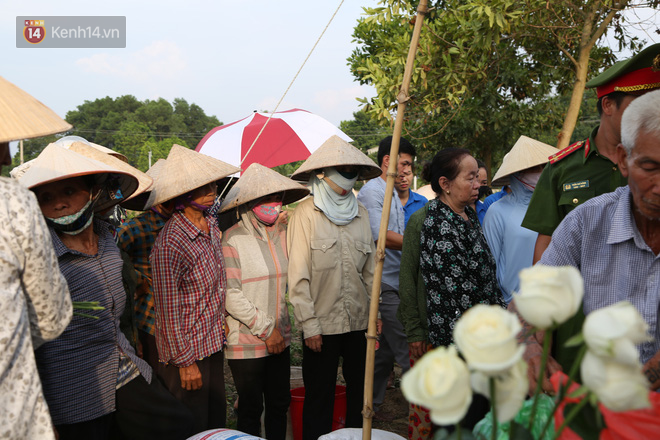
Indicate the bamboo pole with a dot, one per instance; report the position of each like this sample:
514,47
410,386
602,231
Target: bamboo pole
402,97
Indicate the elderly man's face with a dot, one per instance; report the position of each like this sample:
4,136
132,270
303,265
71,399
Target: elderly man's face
64,197
642,168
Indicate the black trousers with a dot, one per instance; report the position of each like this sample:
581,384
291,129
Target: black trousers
143,411
149,349
265,379
207,404
320,378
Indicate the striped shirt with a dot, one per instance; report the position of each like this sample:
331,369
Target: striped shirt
257,264
137,237
189,283
80,369
601,239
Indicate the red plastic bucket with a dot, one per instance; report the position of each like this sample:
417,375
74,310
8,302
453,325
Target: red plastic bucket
338,414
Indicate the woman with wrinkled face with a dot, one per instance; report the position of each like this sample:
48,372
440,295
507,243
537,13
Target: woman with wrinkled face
92,378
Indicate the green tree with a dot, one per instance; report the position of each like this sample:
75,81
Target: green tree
365,132
485,71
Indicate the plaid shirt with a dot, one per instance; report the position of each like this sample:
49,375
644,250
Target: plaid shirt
80,370
601,238
136,238
189,283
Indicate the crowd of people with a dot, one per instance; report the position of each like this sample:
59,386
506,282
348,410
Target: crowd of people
119,328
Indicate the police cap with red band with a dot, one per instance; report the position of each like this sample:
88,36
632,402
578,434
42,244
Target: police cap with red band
636,75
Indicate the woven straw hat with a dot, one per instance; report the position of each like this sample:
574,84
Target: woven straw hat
67,141
258,181
144,181
336,152
144,201
526,153
56,163
186,170
23,117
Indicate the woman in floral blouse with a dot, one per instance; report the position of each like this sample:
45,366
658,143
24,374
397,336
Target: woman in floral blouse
456,263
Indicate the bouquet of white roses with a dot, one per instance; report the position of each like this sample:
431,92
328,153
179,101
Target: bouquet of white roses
492,364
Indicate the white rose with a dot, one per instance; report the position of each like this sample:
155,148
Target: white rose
620,387
439,381
510,390
614,331
487,338
549,295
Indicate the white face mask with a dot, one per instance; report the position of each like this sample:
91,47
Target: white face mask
530,179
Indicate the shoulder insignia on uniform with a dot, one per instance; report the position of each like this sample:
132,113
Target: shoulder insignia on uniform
566,151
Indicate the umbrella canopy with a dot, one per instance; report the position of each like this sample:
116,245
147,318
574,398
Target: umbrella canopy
289,136
23,117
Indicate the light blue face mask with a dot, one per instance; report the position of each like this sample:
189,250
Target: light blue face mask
74,224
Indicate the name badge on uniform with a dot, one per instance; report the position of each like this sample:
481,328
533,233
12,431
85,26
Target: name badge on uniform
576,185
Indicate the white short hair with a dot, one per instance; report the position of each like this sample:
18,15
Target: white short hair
641,115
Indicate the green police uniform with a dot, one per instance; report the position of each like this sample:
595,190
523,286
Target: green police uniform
573,176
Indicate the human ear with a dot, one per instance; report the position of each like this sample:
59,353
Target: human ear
444,183
622,160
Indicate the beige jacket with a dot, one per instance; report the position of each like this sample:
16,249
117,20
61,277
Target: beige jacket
331,270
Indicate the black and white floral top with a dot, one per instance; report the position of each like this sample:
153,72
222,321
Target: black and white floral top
458,269
35,307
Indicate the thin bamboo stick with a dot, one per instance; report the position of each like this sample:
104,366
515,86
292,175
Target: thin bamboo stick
402,97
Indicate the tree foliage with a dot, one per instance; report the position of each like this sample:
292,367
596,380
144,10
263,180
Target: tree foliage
133,127
485,72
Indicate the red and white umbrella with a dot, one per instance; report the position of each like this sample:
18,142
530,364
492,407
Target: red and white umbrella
289,136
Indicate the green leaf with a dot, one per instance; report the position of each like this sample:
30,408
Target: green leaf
579,392
575,341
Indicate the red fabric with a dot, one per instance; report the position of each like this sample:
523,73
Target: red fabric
626,425
639,77
262,152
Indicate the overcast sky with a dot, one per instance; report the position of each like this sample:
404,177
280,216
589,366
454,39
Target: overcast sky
229,57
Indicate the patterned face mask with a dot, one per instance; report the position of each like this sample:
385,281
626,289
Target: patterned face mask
74,224
267,213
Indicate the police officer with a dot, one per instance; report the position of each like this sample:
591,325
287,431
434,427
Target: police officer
588,168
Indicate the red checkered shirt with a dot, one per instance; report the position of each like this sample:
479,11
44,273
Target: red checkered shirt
189,284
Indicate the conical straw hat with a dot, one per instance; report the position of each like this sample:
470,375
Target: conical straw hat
186,170
144,181
23,117
144,201
258,181
336,152
526,153
56,163
67,141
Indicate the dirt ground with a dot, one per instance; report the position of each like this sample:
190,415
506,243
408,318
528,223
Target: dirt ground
395,404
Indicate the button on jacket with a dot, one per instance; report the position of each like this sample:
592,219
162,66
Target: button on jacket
331,270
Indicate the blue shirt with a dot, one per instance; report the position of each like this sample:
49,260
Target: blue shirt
80,369
372,196
482,207
600,238
511,244
415,202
